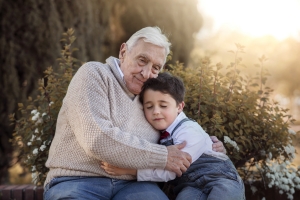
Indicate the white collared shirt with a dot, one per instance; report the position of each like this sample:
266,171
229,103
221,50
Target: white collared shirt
198,142
119,69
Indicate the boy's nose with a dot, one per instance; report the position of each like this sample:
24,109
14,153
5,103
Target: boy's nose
155,111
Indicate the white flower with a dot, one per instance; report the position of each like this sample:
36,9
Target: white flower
280,192
254,189
43,147
51,103
32,138
270,155
297,180
34,118
28,143
34,177
44,114
292,132
289,149
233,143
33,168
33,112
39,121
36,130
35,151
289,196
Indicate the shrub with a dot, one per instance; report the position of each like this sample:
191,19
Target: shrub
235,108
238,110
34,131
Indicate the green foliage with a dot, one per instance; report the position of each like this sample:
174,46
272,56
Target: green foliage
238,110
235,108
34,131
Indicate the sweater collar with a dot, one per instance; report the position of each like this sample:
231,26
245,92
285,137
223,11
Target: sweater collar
114,64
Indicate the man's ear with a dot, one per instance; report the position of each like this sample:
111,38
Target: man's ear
180,106
122,51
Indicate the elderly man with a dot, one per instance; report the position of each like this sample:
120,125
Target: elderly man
101,119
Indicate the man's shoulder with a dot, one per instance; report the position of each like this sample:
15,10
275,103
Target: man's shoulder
94,68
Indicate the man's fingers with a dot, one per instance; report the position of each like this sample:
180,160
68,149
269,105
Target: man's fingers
178,161
181,145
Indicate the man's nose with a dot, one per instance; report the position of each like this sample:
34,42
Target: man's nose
146,72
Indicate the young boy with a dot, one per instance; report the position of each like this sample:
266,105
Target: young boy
211,174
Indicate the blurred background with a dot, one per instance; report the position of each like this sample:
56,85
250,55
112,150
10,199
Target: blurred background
30,33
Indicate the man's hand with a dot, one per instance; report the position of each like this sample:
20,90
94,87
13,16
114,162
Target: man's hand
178,161
217,145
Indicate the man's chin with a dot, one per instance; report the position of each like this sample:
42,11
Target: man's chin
135,91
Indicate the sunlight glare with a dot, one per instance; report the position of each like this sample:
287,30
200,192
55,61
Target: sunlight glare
279,18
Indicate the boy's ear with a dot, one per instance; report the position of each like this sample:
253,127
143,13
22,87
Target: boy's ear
180,106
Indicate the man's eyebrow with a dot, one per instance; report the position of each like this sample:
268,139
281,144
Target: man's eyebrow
146,57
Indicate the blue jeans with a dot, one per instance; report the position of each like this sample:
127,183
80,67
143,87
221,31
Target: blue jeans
101,188
210,178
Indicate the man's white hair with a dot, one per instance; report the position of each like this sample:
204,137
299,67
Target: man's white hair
152,35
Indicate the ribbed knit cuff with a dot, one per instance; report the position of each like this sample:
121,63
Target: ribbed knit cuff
158,158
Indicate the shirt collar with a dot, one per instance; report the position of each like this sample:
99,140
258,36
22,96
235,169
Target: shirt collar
119,69
176,121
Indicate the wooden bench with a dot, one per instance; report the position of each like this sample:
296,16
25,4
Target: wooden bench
21,192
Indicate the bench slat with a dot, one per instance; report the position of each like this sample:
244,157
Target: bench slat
29,192
7,191
21,192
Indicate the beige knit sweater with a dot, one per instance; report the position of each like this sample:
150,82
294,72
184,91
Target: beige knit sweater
100,120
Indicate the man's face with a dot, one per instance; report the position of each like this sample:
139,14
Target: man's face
160,109
142,62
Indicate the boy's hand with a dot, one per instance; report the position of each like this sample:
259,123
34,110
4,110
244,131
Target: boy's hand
178,161
116,171
217,145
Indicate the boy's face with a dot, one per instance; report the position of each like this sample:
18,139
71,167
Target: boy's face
160,109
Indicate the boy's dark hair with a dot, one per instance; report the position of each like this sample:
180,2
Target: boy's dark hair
165,83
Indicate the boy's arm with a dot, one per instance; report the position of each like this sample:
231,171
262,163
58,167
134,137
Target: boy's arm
157,175
116,171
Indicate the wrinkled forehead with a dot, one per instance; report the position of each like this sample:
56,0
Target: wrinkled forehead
147,49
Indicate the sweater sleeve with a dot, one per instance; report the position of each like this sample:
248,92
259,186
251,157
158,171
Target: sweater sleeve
88,112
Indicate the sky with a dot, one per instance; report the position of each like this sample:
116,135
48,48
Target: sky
255,18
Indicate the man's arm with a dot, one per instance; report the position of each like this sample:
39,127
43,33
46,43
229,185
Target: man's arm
88,112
